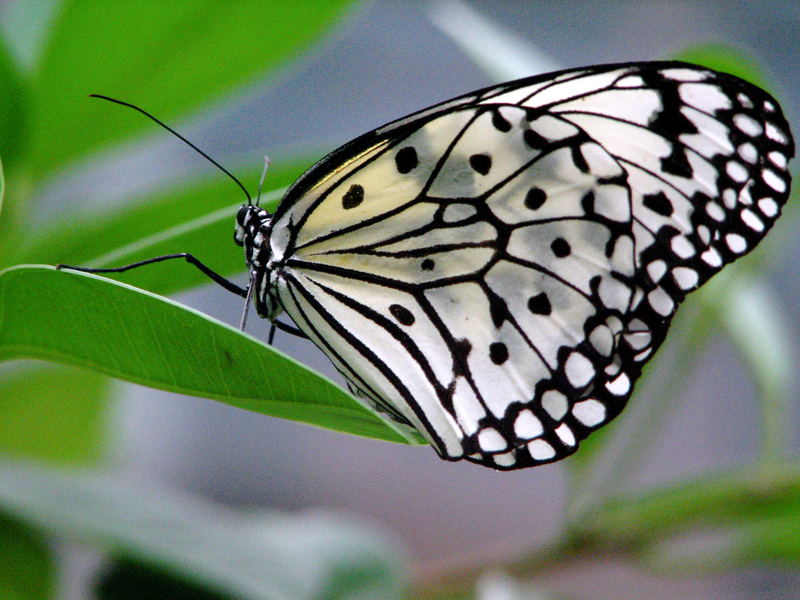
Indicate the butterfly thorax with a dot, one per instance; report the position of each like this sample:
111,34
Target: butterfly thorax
252,232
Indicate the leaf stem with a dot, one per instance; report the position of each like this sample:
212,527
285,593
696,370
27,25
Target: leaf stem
757,324
620,455
629,527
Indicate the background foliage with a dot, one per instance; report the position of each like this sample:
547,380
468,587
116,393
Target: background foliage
177,60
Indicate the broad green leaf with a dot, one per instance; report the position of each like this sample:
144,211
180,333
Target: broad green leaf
92,322
169,57
26,567
250,555
52,412
751,540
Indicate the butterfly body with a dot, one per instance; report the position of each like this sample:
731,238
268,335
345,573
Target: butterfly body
495,270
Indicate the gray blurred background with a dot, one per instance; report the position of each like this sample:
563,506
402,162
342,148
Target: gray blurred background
386,61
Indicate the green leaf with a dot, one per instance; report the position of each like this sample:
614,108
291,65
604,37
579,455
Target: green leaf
251,556
725,498
89,321
746,516
13,108
169,57
128,580
52,412
771,538
726,59
26,568
2,185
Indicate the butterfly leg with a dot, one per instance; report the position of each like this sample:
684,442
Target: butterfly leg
289,329
216,277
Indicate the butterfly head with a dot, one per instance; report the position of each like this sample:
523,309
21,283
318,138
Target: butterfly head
253,225
251,232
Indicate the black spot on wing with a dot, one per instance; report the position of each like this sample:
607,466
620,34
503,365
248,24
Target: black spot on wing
353,197
461,350
402,314
677,163
481,163
658,203
540,304
535,198
560,247
406,159
500,123
498,353
533,140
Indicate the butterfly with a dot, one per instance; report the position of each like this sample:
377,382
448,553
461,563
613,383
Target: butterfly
494,271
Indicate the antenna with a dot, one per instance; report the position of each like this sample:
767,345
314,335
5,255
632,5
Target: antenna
179,136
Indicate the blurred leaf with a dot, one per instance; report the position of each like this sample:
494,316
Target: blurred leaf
771,538
728,498
726,59
13,109
52,412
497,51
89,321
749,305
500,586
26,567
127,580
169,57
25,26
765,528
768,538
251,556
2,185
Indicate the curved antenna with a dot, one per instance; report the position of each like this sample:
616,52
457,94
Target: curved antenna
178,135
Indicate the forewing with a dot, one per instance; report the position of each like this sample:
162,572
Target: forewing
496,272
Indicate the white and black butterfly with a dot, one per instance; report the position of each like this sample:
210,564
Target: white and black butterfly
494,271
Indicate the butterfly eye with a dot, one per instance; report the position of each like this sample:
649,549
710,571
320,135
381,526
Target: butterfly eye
243,217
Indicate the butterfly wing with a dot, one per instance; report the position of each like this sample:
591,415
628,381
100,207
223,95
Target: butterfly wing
494,271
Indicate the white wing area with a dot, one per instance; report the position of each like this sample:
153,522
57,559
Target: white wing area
496,272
